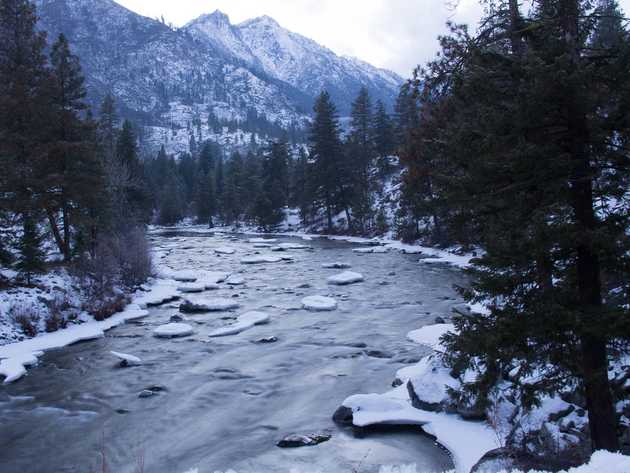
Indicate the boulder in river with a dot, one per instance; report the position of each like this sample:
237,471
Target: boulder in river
343,416
297,440
127,360
207,305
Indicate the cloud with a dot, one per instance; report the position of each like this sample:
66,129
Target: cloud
395,34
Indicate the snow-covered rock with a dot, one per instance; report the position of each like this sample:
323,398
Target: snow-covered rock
127,360
336,265
345,278
173,330
244,322
207,305
299,440
319,303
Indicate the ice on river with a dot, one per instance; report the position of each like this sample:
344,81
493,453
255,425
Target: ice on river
173,330
262,240
345,278
244,322
319,303
224,250
260,259
371,250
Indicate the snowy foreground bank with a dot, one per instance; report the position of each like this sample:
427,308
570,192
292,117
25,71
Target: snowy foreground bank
16,357
601,462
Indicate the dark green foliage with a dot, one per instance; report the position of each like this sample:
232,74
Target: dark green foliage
328,181
520,148
31,258
272,199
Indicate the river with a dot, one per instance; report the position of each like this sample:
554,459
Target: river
228,401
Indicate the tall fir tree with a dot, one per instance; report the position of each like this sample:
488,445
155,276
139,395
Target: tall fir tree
327,179
31,257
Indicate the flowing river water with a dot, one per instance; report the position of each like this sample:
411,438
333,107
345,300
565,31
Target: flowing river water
228,401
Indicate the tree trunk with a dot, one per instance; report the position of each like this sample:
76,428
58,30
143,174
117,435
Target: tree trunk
56,233
515,26
601,410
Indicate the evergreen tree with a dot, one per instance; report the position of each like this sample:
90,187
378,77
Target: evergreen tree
361,153
328,181
72,173
205,199
274,182
107,127
24,112
31,259
384,140
523,122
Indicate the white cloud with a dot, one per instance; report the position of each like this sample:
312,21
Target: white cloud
395,34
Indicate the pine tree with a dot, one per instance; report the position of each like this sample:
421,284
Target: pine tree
72,172
24,114
384,140
274,182
328,178
361,154
107,127
31,259
205,199
521,123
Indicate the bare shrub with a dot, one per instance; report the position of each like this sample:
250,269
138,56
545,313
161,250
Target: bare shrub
27,317
134,257
102,308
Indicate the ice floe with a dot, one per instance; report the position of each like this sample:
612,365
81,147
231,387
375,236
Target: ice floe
319,303
173,330
260,259
345,278
244,322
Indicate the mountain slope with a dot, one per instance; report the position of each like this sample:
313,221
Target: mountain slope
178,83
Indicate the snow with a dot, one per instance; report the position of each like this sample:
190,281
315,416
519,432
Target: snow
173,330
430,335
292,246
244,322
345,278
235,280
260,259
128,360
467,441
16,357
430,379
319,303
211,305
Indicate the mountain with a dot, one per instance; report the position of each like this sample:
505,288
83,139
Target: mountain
209,79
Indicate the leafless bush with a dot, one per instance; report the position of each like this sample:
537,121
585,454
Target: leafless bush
27,317
103,307
118,260
134,257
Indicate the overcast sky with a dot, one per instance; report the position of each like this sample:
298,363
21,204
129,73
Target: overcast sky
395,34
